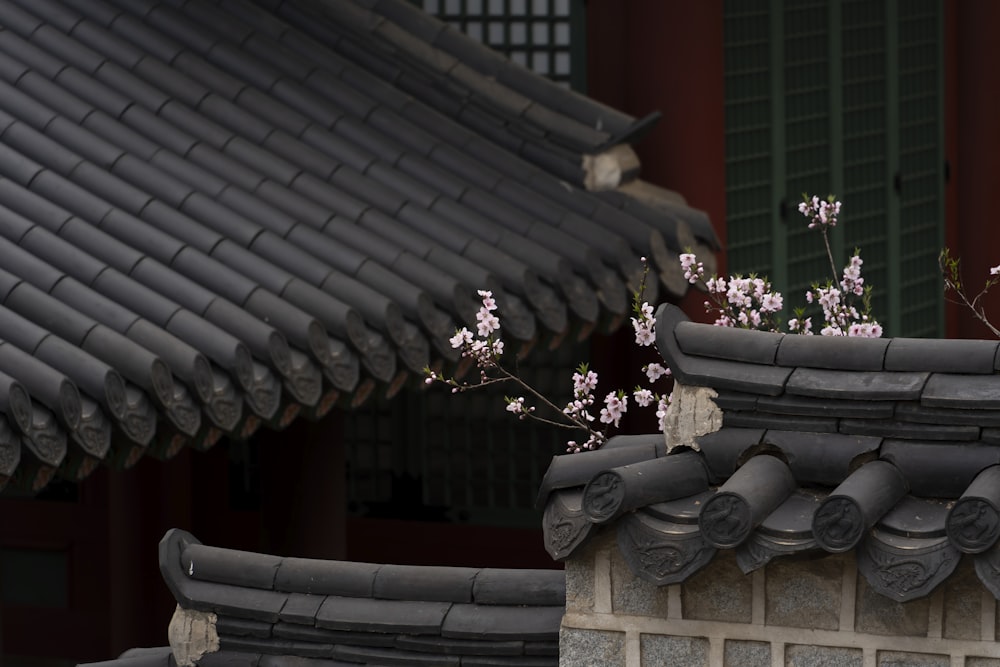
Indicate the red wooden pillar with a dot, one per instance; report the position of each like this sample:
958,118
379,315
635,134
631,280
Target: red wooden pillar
303,498
976,169
666,56
142,504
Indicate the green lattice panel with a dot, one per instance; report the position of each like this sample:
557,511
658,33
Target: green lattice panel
748,136
921,162
463,452
865,178
807,136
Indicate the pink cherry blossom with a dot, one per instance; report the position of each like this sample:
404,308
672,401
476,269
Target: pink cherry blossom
614,408
643,397
655,371
584,383
462,337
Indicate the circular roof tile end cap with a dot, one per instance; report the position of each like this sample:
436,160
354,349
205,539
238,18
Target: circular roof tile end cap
673,280
603,497
281,354
243,366
70,408
582,300
139,422
540,295
344,372
19,402
264,395
660,255
319,342
114,395
755,490
202,378
973,523
162,381
517,319
94,433
380,363
306,384
10,451
838,525
47,442
184,415
843,519
725,521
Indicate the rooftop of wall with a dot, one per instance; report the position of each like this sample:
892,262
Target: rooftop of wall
267,608
887,446
221,215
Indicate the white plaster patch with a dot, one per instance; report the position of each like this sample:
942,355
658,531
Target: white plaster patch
692,413
192,634
607,170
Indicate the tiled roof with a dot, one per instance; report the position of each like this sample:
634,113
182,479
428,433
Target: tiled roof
890,447
271,610
218,214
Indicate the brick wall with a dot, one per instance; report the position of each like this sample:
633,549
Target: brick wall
799,613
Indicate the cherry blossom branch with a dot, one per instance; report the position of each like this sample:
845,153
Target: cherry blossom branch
951,270
735,301
486,348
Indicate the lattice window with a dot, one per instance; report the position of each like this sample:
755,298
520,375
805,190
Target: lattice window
544,35
843,97
437,456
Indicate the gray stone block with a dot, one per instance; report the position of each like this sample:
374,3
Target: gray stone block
822,656
747,654
591,648
660,650
982,662
580,580
804,593
632,595
719,592
879,615
907,659
963,603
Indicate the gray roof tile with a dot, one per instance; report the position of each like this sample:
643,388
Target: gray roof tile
952,390
371,615
167,21
442,584
127,84
65,47
260,198
872,455
301,608
870,385
470,621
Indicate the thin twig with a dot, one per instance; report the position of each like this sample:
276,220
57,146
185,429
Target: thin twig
829,255
974,306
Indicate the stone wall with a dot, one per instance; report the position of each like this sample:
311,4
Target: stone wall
797,613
